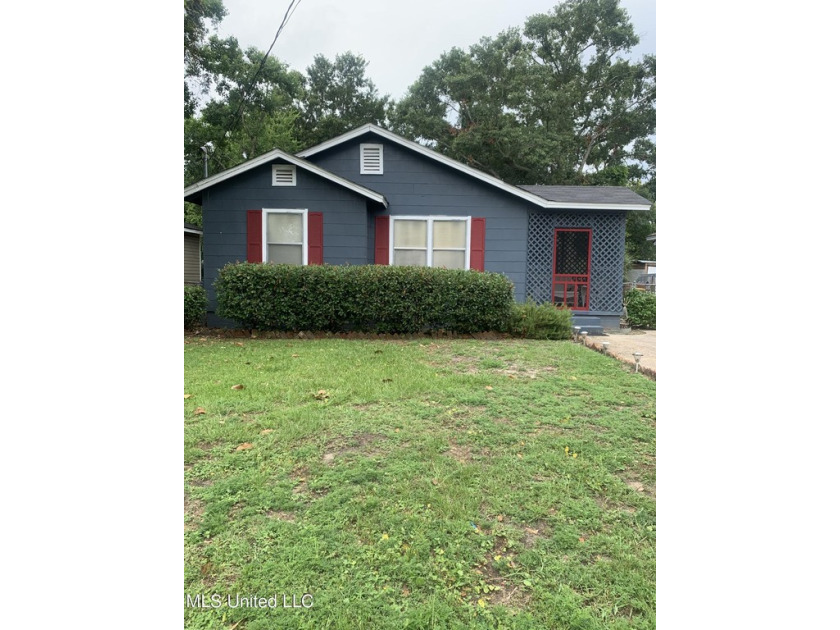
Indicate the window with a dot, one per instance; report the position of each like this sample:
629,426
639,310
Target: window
284,237
431,241
283,175
370,156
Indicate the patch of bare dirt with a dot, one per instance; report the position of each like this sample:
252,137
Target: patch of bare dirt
515,371
193,511
300,477
200,483
465,365
634,483
505,593
534,532
461,454
363,443
607,505
505,421
281,515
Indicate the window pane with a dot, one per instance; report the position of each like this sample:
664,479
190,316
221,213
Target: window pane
284,228
450,234
289,254
410,257
409,233
448,259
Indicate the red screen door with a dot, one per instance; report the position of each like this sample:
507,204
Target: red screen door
572,263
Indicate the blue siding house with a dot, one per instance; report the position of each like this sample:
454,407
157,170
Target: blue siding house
370,196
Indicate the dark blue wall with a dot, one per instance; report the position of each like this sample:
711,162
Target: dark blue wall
225,205
417,185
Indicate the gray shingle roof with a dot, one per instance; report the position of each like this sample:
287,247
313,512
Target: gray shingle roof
587,194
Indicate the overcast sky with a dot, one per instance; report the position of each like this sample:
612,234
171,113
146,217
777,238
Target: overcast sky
397,38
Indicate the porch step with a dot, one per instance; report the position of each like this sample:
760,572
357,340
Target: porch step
592,325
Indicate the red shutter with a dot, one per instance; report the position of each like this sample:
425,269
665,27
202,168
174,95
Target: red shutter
316,238
477,244
253,239
381,244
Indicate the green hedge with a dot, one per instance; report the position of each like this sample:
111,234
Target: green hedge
641,309
540,321
195,305
369,298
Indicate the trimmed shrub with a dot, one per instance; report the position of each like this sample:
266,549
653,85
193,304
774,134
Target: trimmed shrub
540,321
641,309
367,298
195,305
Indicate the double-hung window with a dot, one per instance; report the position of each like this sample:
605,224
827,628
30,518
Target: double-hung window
285,236
431,241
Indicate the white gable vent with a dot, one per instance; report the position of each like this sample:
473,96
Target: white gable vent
283,175
371,155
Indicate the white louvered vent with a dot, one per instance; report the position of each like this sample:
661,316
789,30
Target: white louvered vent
371,158
283,175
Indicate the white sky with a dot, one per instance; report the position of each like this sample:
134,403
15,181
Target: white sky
397,38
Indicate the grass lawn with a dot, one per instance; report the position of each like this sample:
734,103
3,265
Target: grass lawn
418,484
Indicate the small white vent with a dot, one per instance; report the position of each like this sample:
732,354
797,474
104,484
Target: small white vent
283,175
371,158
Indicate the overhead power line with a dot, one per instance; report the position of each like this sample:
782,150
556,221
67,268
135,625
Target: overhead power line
293,5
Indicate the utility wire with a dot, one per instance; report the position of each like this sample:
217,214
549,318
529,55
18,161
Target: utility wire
235,117
293,5
289,12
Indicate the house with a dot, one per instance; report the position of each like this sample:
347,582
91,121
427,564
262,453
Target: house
371,196
192,254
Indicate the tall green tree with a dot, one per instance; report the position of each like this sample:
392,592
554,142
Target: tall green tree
554,103
253,109
200,17
339,97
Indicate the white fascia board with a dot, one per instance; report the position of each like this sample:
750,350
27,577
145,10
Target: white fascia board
189,231
273,155
458,166
565,205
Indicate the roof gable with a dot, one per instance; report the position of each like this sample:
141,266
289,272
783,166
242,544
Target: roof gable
596,197
191,193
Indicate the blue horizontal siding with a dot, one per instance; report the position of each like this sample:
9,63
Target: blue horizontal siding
226,204
417,185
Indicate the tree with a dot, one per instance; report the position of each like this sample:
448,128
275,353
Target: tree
250,99
640,225
552,104
199,17
253,109
339,97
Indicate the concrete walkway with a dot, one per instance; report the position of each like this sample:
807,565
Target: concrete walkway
622,346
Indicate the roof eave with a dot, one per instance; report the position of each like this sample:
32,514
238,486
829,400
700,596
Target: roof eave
566,205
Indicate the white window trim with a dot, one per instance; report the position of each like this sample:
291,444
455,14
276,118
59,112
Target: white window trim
276,167
381,150
304,245
430,219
